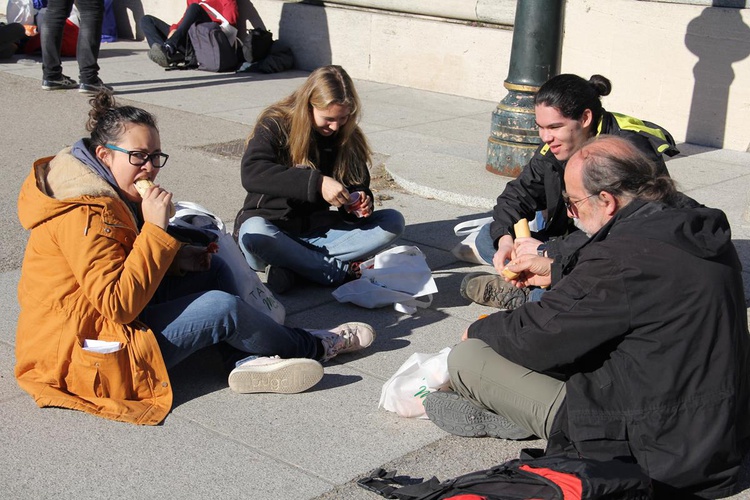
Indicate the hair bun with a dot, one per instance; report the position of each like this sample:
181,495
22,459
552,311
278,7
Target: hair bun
601,85
101,103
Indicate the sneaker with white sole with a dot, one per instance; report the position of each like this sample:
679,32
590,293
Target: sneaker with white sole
347,337
274,374
94,87
459,416
62,83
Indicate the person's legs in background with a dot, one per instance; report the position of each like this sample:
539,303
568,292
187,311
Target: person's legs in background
154,29
194,14
51,33
89,41
174,46
10,36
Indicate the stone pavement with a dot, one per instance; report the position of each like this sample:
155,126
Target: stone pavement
313,445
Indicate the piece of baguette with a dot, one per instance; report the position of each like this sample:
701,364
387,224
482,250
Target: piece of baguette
521,228
143,185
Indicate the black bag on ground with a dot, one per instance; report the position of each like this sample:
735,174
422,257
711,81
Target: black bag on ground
554,477
212,49
260,44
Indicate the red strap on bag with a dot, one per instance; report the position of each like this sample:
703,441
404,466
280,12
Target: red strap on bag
571,486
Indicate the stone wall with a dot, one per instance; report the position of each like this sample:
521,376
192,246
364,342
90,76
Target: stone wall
684,65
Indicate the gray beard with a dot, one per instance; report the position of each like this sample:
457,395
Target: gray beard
577,223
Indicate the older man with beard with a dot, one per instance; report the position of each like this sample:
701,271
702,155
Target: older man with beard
640,352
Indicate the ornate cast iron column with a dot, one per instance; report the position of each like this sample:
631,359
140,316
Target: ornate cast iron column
534,59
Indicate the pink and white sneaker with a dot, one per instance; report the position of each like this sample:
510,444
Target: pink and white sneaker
347,337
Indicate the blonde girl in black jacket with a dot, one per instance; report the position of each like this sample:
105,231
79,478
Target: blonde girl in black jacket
305,160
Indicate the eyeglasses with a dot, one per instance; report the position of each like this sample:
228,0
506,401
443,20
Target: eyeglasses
571,205
139,158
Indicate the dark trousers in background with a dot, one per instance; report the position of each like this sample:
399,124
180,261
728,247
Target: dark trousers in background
10,37
157,31
89,38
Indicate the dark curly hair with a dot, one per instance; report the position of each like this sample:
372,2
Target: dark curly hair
107,120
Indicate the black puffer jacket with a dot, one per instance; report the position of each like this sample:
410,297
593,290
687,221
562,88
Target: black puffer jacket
286,195
541,182
649,331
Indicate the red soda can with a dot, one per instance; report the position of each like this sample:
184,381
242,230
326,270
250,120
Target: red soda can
356,204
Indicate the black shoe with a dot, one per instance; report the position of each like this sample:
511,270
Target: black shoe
492,290
94,87
164,55
280,279
456,415
62,83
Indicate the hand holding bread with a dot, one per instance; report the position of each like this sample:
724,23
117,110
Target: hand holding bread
521,228
157,208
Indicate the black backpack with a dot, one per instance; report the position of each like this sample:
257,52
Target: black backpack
211,48
555,477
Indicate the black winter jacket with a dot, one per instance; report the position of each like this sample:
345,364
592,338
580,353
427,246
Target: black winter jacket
649,332
286,195
541,182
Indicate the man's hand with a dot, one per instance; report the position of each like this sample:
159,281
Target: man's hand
334,192
504,252
192,259
533,270
526,246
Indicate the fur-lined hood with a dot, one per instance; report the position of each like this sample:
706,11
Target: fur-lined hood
56,183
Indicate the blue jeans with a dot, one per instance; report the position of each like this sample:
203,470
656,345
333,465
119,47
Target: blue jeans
89,38
198,310
323,255
485,246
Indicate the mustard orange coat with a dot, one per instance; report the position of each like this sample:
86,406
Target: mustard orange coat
87,274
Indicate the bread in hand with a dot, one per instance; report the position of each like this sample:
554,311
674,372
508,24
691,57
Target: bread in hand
143,185
521,228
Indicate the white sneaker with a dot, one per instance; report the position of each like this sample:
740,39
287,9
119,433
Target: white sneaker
273,374
348,337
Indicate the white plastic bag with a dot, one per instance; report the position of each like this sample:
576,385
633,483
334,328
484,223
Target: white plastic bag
398,276
420,375
250,288
466,250
20,11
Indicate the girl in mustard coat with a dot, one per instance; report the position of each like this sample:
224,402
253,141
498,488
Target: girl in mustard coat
110,301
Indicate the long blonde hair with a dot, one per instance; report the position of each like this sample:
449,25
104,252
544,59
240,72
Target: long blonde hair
325,86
